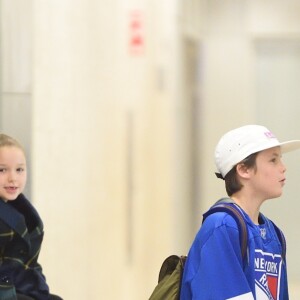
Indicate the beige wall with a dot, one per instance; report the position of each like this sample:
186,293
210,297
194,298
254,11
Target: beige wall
110,131
101,147
16,68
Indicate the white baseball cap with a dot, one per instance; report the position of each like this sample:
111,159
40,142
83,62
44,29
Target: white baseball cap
239,143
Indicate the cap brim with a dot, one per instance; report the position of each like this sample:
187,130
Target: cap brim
290,146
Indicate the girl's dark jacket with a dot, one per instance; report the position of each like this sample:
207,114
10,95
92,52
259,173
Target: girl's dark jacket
21,235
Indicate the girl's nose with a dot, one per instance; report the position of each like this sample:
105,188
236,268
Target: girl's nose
11,177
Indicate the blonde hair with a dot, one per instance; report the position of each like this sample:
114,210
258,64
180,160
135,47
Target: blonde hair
6,140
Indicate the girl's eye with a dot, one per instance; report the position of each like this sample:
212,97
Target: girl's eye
2,170
19,170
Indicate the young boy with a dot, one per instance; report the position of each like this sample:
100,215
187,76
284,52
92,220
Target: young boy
249,160
21,230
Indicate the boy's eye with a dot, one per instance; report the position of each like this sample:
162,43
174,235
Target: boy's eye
276,159
2,170
19,170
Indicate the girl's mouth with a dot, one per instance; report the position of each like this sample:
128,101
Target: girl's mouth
11,189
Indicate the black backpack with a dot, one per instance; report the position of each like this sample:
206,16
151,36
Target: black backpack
170,275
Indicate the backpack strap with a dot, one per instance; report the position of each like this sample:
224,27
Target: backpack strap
282,240
228,206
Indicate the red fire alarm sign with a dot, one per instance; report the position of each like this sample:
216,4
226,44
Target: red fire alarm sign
136,33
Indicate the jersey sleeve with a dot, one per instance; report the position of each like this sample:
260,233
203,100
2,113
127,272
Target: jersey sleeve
214,268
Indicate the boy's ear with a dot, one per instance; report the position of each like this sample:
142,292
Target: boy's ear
242,171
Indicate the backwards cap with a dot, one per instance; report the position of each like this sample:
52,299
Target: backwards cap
239,143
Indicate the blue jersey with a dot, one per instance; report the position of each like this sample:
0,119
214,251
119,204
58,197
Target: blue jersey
215,270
